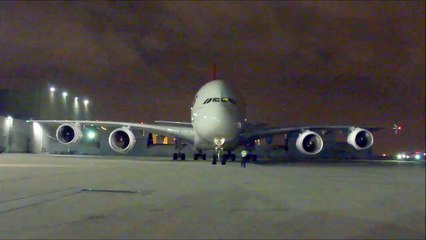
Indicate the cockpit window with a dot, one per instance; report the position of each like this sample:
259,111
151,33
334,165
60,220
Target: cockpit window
224,100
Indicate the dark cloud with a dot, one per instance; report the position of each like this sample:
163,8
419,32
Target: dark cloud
295,62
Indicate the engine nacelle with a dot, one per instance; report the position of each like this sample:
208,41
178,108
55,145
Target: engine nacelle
309,143
360,139
68,133
122,140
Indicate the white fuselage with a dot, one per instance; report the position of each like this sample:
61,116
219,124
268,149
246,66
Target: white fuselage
217,113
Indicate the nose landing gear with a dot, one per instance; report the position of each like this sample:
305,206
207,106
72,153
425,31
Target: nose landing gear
219,149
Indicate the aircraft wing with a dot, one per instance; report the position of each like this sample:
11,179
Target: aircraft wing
184,132
171,123
265,132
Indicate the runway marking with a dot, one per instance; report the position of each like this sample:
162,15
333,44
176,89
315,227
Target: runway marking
108,190
12,205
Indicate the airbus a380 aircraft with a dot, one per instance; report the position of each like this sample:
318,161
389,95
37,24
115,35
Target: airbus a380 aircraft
217,123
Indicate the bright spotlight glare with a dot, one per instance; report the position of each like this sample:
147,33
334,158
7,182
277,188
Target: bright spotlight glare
64,94
91,135
9,121
417,157
86,102
399,156
37,129
76,99
52,89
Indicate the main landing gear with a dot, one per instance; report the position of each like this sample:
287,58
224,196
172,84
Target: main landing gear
252,157
178,147
200,154
176,156
250,148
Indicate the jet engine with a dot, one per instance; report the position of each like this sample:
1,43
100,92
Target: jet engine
122,140
68,133
360,139
309,143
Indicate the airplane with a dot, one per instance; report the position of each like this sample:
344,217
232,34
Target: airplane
218,123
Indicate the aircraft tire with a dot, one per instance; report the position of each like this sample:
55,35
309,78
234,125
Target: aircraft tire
214,161
175,156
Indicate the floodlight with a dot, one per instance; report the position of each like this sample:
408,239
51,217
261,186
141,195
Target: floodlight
52,89
64,94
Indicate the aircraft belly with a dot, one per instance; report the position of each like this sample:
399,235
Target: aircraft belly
201,143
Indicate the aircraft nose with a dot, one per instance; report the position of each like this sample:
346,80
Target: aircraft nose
223,124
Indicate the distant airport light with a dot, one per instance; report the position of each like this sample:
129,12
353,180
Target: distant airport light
417,156
64,94
86,102
76,99
399,156
52,89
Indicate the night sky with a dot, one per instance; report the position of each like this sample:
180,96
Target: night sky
295,63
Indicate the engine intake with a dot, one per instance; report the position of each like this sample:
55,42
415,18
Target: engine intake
360,139
309,143
122,140
68,133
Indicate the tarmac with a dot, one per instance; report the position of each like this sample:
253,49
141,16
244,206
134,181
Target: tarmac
63,197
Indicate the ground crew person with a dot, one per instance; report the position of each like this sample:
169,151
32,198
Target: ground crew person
243,158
